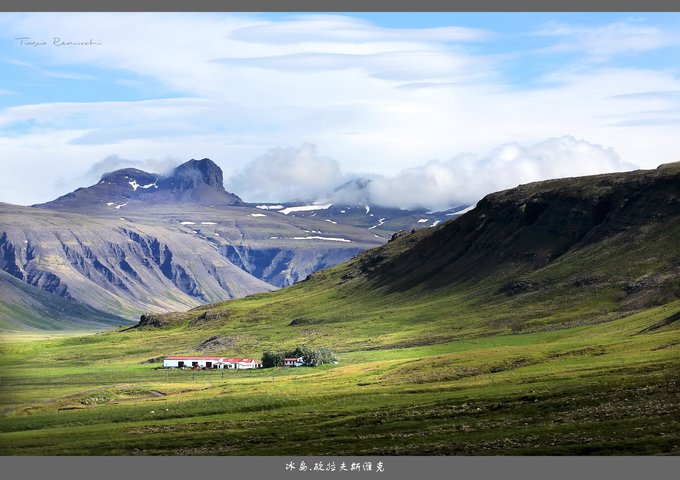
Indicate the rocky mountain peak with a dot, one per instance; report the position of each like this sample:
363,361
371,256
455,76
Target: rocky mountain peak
194,173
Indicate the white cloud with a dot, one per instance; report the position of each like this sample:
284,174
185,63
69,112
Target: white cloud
467,178
389,65
287,174
343,29
114,162
105,115
600,43
51,73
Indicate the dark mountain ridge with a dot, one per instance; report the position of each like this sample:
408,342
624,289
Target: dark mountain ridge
530,227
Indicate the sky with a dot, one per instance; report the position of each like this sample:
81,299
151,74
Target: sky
436,109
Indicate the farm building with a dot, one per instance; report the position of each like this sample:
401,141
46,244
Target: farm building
293,362
210,362
241,363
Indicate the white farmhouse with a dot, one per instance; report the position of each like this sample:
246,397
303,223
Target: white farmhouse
241,363
293,362
198,362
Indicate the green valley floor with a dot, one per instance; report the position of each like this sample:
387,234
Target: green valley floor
604,389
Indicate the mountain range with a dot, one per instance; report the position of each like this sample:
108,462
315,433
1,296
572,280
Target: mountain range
605,246
139,242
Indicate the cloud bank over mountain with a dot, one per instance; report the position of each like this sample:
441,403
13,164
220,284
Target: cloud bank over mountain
291,173
287,174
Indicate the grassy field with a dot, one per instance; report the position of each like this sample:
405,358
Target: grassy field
595,389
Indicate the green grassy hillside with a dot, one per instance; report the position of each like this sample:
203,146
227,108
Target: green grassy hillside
546,321
25,307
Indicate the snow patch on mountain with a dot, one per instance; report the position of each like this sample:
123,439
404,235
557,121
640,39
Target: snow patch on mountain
322,238
133,183
306,208
463,211
380,222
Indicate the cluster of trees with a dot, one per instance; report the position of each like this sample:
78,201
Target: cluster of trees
311,357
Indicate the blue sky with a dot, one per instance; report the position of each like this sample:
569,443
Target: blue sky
514,32
441,108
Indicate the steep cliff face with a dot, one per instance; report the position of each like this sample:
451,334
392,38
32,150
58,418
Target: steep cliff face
195,174
117,266
285,266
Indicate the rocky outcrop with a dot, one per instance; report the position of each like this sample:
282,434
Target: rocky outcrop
194,174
